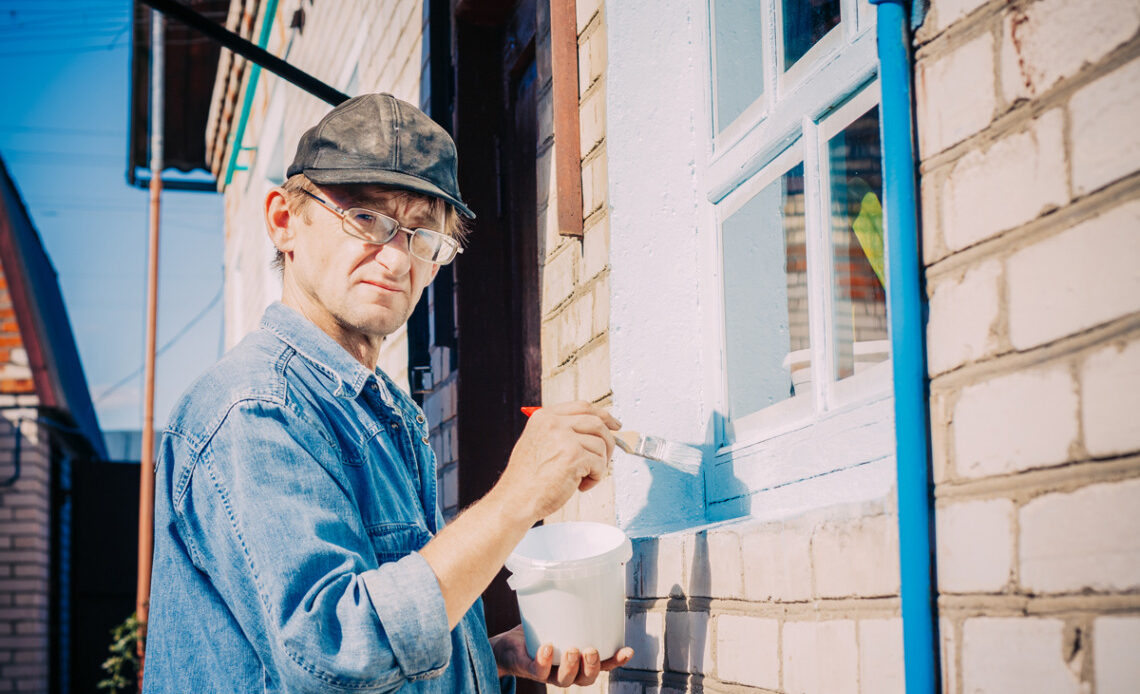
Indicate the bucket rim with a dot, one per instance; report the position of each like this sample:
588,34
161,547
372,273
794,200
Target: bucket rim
619,554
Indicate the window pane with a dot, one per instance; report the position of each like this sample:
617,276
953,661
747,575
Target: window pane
737,57
857,244
766,297
805,22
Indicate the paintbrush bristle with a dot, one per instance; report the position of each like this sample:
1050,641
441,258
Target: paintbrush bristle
676,455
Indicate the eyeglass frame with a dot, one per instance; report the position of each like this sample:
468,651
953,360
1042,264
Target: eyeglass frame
343,214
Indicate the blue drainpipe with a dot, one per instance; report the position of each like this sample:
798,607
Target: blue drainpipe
906,307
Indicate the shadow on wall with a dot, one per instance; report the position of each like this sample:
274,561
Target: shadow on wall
673,649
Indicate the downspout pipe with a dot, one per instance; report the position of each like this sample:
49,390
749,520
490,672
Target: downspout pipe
906,308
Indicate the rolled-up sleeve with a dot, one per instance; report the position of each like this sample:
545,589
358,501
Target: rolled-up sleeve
266,515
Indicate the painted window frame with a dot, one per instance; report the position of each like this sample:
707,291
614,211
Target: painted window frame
844,423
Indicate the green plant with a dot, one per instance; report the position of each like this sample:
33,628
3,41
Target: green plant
123,666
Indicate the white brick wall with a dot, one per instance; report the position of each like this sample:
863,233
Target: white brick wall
1105,144
807,645
975,546
980,198
645,633
1015,422
1116,644
1054,39
1018,654
859,558
964,313
881,657
1082,539
688,646
949,109
776,563
1080,278
748,650
1110,400
947,12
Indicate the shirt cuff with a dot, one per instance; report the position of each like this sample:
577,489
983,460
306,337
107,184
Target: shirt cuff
406,597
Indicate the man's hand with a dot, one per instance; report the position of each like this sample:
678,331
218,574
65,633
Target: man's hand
564,448
580,668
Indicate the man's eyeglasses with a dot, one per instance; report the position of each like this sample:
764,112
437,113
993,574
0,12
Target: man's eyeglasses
373,227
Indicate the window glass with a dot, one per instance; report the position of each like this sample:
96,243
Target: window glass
805,23
768,348
860,320
737,57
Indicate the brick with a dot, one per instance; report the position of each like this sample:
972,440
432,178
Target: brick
975,546
964,317
592,120
594,373
596,248
881,657
1075,280
747,651
558,278
1110,400
1018,654
585,11
805,644
1084,539
560,387
1047,41
687,642
1105,146
948,648
625,688
857,557
947,12
594,181
572,326
776,563
978,201
644,633
1116,641
600,310
955,95
1015,422
725,566
451,487
591,58
660,567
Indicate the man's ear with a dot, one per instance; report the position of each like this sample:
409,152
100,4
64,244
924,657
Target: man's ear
279,221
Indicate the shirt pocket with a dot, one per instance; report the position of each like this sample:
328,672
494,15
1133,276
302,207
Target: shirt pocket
393,541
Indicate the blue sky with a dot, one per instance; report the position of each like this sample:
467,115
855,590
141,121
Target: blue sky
63,129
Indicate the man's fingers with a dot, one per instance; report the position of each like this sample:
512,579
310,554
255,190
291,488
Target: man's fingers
591,425
543,662
623,656
568,668
591,666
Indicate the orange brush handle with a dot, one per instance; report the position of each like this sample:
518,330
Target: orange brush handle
528,411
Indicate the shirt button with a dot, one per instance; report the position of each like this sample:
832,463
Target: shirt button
425,440
373,386
420,418
395,426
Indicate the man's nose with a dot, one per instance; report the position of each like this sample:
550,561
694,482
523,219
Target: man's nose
396,255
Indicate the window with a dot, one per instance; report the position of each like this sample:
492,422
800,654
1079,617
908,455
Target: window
794,176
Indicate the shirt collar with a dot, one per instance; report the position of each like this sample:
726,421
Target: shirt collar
320,349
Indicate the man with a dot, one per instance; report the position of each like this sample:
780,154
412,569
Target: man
298,541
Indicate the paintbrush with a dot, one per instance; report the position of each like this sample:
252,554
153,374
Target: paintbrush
679,456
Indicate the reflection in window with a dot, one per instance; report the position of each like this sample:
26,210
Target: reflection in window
805,23
857,246
737,58
768,350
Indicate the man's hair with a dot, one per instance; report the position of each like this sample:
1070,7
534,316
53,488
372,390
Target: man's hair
454,225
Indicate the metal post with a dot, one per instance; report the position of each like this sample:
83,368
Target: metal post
146,471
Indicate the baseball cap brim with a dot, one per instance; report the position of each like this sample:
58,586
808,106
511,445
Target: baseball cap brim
384,177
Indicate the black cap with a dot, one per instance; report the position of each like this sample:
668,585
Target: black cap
379,139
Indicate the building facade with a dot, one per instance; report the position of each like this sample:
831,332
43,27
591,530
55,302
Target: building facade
728,289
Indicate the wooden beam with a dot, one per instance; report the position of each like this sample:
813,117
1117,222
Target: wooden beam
567,146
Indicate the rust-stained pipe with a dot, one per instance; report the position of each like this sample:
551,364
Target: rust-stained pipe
567,154
146,470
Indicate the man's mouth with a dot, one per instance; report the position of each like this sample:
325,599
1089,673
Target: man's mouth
382,285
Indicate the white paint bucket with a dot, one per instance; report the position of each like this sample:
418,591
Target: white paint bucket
570,584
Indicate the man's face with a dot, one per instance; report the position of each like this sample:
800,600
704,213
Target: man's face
349,288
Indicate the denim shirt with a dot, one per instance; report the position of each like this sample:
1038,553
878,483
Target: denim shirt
294,488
